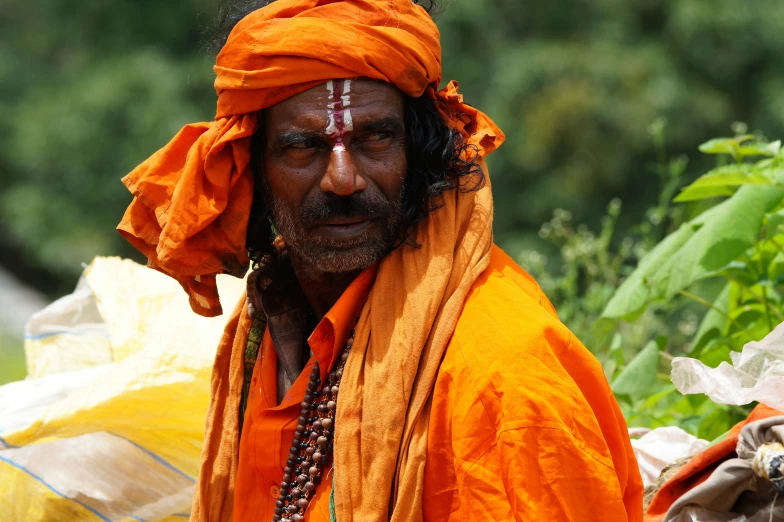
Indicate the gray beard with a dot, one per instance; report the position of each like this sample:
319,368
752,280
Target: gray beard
320,255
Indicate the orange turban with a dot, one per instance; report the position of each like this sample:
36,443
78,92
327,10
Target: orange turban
193,197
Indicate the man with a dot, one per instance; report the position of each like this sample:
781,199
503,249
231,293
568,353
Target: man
389,361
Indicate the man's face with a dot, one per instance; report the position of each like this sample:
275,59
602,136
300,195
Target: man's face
334,166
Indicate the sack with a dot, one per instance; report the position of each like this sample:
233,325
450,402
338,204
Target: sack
110,422
745,488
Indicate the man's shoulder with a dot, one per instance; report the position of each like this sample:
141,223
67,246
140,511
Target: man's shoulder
518,391
507,307
525,367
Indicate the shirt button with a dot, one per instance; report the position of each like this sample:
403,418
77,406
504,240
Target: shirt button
275,492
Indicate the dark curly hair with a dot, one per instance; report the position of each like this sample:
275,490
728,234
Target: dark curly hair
439,159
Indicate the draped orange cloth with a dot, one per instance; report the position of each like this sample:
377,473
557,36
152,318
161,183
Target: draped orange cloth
522,426
189,216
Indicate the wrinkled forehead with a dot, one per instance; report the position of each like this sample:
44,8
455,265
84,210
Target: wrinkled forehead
364,98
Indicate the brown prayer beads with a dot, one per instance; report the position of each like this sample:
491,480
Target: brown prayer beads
311,447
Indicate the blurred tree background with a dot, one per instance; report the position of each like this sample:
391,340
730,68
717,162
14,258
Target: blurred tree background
88,92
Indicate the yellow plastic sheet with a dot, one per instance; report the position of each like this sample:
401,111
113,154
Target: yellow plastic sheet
110,423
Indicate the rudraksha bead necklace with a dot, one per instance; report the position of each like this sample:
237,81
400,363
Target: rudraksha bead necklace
311,447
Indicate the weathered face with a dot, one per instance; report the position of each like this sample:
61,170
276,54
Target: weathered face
335,162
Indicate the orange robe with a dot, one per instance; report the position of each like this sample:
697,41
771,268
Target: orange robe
523,425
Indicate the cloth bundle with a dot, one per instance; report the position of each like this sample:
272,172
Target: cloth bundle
744,488
109,423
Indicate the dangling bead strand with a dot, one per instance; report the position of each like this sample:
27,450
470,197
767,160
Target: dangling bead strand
311,447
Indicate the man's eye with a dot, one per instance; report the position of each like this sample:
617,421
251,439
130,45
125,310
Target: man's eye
377,136
301,145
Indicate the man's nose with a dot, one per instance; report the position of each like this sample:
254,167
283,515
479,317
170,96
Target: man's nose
342,177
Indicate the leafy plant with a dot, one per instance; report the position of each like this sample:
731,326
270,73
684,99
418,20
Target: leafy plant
700,277
729,261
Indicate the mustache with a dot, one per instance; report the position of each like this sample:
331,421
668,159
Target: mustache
326,206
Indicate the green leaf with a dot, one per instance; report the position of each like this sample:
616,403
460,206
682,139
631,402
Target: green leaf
609,366
639,376
718,181
696,250
716,355
775,223
714,323
602,331
759,148
724,145
616,349
748,314
740,147
696,193
719,438
743,271
636,292
776,268
651,401
714,424
696,401
753,318
690,424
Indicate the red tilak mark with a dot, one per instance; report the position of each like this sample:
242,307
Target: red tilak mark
338,123
339,110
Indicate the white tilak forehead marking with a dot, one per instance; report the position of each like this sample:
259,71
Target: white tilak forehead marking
339,107
348,123
331,129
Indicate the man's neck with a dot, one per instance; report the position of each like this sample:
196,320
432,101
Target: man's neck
322,290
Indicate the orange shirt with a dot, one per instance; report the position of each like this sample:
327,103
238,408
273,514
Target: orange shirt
523,424
269,427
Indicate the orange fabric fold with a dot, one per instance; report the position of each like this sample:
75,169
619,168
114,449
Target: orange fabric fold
191,205
400,340
701,466
192,198
213,497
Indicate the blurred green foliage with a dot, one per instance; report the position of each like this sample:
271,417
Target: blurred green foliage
575,85
12,361
87,93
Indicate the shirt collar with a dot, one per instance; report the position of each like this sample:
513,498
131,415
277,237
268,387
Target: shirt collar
285,307
334,329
